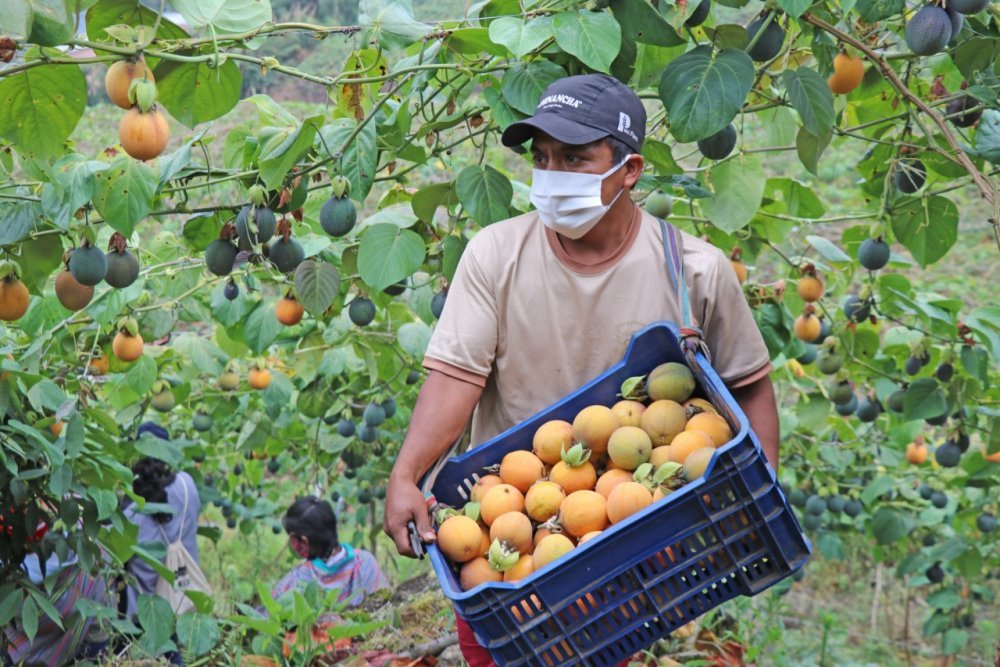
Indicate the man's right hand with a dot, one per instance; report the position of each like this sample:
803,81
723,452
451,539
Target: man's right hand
404,502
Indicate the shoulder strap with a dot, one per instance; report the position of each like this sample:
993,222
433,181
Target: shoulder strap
180,530
691,337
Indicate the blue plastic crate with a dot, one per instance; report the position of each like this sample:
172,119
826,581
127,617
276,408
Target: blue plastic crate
729,533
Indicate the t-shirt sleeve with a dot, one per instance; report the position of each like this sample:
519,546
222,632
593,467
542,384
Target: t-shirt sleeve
739,354
465,338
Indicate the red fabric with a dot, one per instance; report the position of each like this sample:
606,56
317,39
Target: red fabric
475,654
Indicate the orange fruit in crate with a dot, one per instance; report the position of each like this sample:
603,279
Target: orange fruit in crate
459,538
524,566
485,483
582,512
501,499
543,500
514,528
663,420
484,545
627,499
550,439
696,463
574,478
629,413
611,479
629,447
593,427
687,442
659,456
478,571
588,537
550,548
521,469
713,425
693,406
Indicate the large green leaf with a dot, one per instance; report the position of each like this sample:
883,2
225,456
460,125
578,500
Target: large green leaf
358,159
889,525
738,186
810,147
924,399
157,620
128,12
702,93
17,17
124,193
811,97
641,23
593,37
51,22
387,254
428,198
987,144
73,179
316,285
38,260
197,633
927,226
520,37
261,328
484,192
523,83
194,92
225,15
390,22
284,148
18,219
40,107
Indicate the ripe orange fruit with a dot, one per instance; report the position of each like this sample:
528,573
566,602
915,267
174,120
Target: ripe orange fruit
543,500
143,135
807,327
119,78
514,528
13,299
588,537
521,469
740,269
612,478
593,427
848,71
485,483
289,311
992,458
478,571
501,499
916,452
582,512
549,548
100,365
687,442
713,425
574,478
550,439
525,565
627,499
259,378
71,294
810,288
459,538
56,428
126,347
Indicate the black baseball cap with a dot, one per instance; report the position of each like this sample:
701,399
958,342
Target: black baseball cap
584,108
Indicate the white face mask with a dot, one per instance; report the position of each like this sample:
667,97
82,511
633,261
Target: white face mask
569,202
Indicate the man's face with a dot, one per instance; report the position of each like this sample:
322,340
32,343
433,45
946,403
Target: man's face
548,153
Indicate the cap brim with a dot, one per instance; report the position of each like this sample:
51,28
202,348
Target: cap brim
561,129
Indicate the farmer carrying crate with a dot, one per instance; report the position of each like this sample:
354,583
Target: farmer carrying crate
543,302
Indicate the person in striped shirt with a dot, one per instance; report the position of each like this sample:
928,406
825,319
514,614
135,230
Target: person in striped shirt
312,533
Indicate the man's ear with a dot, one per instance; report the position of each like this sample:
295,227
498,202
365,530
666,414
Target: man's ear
633,170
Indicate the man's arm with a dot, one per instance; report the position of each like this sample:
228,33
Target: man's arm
439,417
758,402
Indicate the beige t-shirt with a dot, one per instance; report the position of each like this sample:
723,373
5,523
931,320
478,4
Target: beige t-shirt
530,325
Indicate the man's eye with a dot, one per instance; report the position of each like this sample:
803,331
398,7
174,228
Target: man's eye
571,159
537,159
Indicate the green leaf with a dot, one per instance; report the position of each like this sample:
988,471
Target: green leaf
124,193
811,97
518,36
387,254
927,226
810,147
485,193
52,22
129,12
523,83
924,399
946,598
661,157
889,525
872,11
40,107
316,285
702,93
413,337
29,618
194,92
18,219
225,15
17,16
73,176
142,374
203,228
954,640
282,150
157,620
988,136
38,260
427,199
738,186
358,160
593,37
390,22
795,8
827,249
197,633
452,248
641,23
261,328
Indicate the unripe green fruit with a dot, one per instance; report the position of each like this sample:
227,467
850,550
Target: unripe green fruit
660,204
361,311
219,257
337,217
909,176
202,422
164,401
769,44
264,224
88,265
720,144
928,31
286,255
123,269
699,15
873,254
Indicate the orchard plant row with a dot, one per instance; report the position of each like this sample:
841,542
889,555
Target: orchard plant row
263,282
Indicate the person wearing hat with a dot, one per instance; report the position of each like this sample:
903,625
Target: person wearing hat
544,302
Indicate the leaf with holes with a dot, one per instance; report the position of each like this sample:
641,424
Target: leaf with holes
40,107
124,193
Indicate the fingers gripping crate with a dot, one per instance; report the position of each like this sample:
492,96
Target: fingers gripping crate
729,533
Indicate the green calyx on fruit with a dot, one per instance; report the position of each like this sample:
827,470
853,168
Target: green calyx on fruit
502,556
128,325
576,455
142,92
634,388
720,144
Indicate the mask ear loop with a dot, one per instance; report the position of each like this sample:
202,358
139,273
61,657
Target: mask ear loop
613,170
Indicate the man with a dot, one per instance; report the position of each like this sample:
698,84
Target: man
544,302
